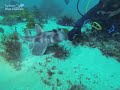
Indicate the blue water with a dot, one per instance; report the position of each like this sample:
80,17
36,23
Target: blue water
85,67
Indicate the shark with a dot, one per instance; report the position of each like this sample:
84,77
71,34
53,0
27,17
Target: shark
42,39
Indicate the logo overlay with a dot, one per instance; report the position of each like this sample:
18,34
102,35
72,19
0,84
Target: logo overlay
14,7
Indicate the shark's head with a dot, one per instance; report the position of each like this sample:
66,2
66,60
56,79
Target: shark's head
59,35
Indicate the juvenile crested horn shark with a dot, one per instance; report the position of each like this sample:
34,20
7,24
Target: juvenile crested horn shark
39,43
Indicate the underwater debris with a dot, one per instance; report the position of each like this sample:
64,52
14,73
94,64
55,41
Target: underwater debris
12,49
66,21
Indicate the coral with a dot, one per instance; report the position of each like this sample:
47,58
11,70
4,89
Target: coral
12,48
66,21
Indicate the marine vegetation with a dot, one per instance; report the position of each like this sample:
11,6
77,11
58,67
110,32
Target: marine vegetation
12,18
24,14
60,52
30,23
77,87
74,86
9,20
66,21
11,48
107,43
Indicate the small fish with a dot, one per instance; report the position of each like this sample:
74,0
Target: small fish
66,2
1,30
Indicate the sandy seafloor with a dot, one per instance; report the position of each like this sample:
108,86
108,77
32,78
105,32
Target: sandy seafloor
85,65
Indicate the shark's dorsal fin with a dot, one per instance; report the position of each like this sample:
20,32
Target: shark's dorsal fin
38,29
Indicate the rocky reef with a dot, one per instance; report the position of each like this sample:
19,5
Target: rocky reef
109,44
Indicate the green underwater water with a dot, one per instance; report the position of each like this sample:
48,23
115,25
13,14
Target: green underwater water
85,68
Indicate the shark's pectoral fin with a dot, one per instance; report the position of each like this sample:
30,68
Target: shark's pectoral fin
38,29
39,48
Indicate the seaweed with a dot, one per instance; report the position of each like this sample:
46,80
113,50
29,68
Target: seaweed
60,52
24,14
12,49
77,87
66,21
108,44
30,23
46,82
9,20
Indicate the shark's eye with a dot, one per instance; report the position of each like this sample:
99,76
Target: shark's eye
37,39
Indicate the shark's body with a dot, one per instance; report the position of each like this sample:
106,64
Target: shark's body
39,43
